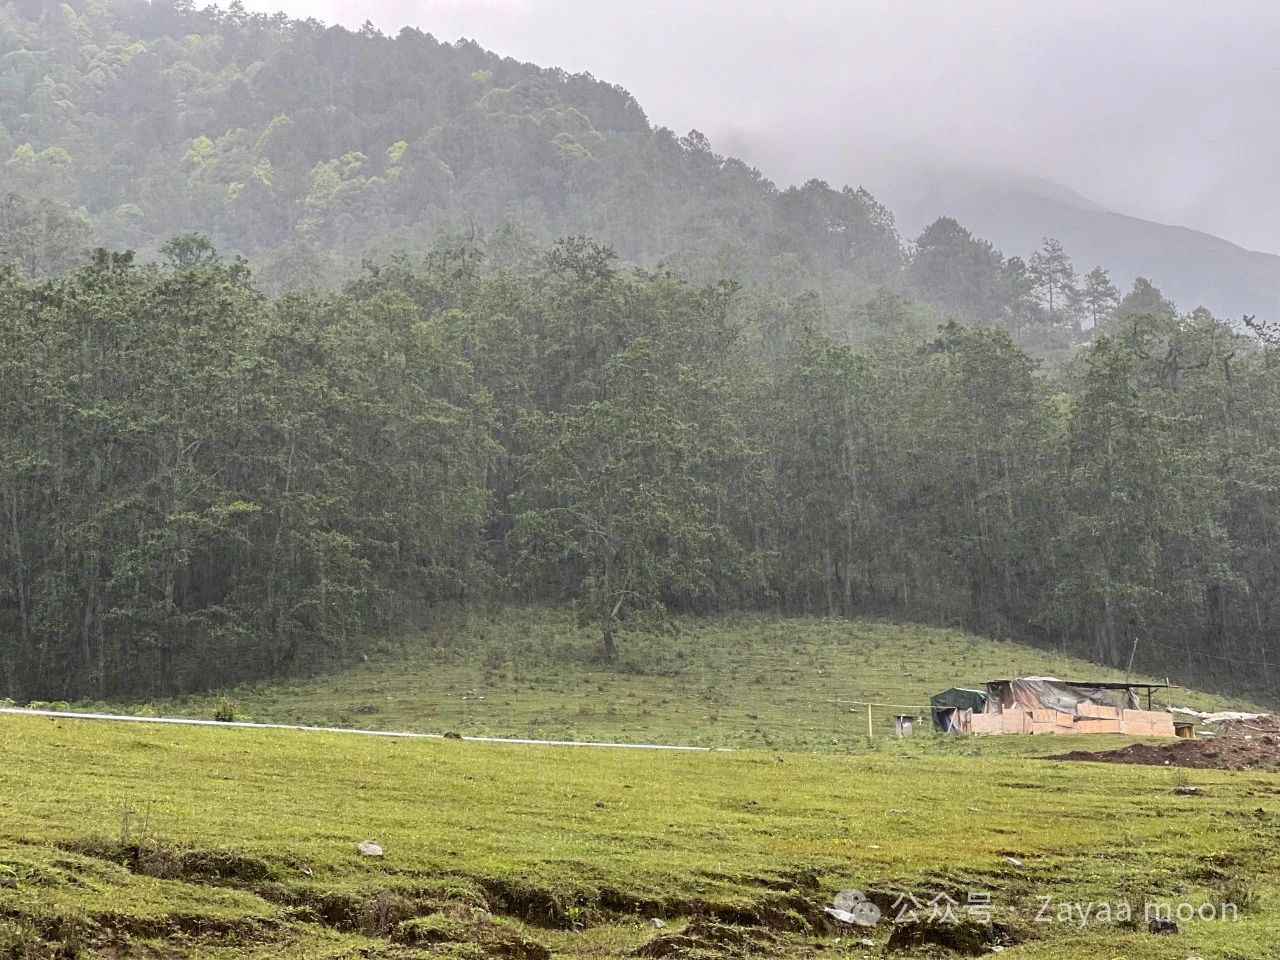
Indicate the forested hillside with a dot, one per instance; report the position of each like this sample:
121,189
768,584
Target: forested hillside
307,149
318,145
200,485
221,467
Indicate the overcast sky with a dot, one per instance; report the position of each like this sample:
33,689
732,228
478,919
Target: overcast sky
1168,110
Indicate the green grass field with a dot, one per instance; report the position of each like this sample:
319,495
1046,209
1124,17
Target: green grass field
163,842
159,842
742,681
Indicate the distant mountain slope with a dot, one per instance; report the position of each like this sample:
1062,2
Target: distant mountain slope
290,140
1016,213
307,147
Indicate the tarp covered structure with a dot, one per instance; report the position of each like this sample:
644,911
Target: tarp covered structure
1048,705
1049,693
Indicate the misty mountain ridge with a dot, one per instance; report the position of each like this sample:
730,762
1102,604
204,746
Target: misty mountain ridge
1016,212
309,148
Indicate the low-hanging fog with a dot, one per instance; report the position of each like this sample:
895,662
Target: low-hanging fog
1138,107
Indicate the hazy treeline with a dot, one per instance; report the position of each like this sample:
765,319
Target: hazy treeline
199,484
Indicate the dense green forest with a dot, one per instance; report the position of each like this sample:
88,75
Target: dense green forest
398,387
199,484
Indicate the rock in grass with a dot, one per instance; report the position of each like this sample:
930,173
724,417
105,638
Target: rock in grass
844,916
368,848
657,923
1159,925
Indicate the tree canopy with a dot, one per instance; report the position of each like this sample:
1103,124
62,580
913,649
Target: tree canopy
199,484
354,369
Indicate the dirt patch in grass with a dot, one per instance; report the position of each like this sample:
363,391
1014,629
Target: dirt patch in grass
170,863
539,907
40,938
1261,752
962,936
471,927
532,904
709,938
374,914
784,902
196,926
68,933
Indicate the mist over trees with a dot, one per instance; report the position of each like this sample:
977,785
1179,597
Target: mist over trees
398,386
308,149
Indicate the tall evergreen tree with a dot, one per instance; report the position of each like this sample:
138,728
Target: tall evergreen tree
1099,298
1054,279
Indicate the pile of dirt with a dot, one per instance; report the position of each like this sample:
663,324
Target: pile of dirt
1253,751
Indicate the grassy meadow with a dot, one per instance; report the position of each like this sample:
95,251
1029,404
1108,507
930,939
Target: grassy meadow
161,842
158,842
737,681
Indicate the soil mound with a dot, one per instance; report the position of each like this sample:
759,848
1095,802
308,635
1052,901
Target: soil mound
1246,751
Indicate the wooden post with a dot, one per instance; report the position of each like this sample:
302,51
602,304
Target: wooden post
1133,652
871,733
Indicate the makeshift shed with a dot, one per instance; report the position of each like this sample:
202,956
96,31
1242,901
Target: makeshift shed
951,709
1049,705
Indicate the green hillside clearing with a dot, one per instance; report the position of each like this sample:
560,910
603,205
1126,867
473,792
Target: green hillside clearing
737,681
